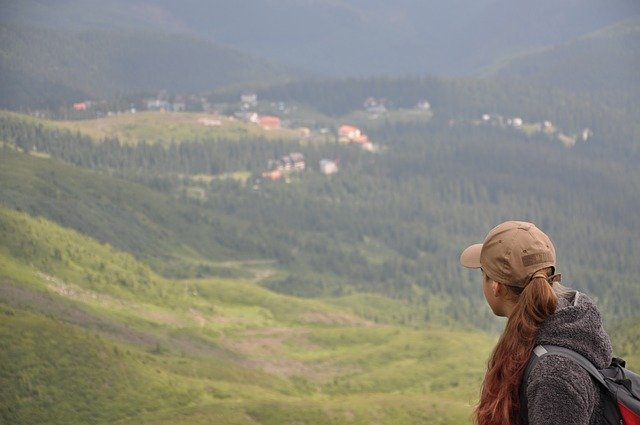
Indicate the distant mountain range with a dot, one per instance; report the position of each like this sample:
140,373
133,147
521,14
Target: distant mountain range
347,37
53,54
608,59
42,67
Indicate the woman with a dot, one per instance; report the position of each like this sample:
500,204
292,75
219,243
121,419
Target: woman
518,263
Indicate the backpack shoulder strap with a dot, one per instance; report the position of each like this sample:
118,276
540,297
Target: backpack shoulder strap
543,350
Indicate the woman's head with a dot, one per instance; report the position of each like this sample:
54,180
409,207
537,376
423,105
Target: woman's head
517,261
511,253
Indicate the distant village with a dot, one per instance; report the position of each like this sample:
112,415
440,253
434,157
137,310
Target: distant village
277,169
547,127
294,163
283,168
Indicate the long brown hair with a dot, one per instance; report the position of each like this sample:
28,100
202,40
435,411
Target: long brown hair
499,398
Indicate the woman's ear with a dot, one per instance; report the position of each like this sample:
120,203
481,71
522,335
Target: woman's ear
497,289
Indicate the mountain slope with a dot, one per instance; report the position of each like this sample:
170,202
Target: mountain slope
337,236
130,217
97,64
350,37
90,335
605,60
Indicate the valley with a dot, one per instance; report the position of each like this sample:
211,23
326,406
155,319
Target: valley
214,214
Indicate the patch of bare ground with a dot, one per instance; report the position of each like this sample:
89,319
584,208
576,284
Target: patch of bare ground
253,266
198,317
246,263
319,372
204,319
265,349
334,319
263,274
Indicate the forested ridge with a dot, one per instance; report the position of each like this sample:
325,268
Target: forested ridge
48,69
611,52
348,37
613,115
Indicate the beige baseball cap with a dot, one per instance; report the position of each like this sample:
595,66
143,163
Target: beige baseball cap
511,253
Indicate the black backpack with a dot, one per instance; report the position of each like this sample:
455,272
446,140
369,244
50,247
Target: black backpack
622,407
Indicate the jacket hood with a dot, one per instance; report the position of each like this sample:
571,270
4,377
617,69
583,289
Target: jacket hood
577,325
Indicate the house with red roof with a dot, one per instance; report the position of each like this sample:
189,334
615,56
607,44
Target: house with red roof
350,134
272,174
269,122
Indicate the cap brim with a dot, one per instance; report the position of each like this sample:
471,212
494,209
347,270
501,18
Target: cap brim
470,257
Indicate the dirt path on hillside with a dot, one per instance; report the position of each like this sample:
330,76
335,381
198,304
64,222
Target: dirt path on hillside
271,350
67,303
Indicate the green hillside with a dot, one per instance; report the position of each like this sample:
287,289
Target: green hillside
605,60
130,217
152,127
90,335
166,127
626,339
390,223
317,299
47,68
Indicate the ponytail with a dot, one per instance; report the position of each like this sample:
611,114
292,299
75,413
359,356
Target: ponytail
499,397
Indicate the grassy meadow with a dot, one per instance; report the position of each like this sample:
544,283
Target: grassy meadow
161,127
165,127
91,335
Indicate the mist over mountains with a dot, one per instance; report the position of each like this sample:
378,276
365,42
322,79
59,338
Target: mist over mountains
52,54
347,37
106,64
603,60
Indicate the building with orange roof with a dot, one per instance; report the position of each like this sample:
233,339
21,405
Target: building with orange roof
269,122
272,174
349,133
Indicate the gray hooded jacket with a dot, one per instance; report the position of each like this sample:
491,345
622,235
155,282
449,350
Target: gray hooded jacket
558,391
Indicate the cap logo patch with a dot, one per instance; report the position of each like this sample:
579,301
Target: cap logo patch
531,259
